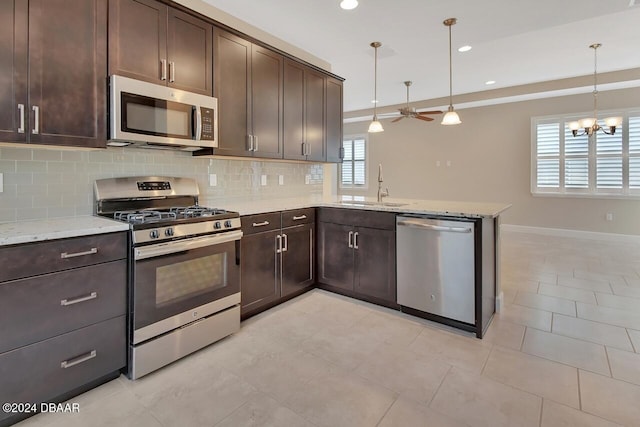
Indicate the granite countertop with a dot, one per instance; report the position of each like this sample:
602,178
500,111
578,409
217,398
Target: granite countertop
12,233
414,206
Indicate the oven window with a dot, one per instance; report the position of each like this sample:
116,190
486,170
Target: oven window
190,278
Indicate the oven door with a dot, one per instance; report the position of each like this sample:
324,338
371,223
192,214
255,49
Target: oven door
171,280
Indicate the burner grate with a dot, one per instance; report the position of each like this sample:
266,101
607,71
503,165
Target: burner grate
142,217
195,211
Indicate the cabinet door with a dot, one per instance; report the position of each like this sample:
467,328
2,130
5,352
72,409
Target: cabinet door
335,256
314,115
190,53
13,70
376,263
138,39
334,120
67,72
266,102
232,77
297,259
293,111
259,265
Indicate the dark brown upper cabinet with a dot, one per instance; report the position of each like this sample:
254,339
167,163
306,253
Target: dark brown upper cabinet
53,72
248,85
333,129
153,42
304,115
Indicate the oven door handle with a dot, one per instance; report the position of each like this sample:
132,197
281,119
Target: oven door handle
185,245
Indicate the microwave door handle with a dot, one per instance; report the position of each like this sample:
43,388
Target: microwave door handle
198,124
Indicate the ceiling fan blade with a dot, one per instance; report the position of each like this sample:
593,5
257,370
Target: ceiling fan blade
398,119
426,119
430,112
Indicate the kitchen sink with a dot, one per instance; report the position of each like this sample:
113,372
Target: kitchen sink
367,203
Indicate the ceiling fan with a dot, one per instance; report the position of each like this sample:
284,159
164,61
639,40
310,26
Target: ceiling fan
411,112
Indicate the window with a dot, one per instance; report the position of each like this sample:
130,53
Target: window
598,166
354,165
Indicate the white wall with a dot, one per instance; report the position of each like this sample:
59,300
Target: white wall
490,154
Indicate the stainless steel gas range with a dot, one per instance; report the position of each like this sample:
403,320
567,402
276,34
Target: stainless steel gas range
184,291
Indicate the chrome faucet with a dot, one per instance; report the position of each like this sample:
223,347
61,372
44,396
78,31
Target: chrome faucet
381,193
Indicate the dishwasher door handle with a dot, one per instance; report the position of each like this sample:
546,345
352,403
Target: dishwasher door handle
424,226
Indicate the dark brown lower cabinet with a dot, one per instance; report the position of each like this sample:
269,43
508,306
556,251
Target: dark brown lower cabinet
258,261
62,318
277,258
358,261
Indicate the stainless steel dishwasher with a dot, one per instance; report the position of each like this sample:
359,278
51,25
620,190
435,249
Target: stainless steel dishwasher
436,267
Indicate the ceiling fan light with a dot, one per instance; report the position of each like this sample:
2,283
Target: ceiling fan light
613,121
349,4
375,126
451,118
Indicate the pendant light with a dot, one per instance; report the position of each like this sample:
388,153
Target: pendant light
349,4
451,117
590,125
375,125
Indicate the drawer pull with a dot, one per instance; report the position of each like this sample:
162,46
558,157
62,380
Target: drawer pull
92,251
297,218
92,295
260,224
78,360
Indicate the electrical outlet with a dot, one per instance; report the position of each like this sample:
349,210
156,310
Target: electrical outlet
307,179
609,216
280,179
263,180
213,180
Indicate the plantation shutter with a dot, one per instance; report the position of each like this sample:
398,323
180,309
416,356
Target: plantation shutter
548,155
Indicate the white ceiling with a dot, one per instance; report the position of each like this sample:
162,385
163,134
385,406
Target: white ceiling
514,42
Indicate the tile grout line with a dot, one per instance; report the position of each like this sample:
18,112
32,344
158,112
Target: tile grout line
579,389
606,353
435,393
631,341
484,365
388,409
541,410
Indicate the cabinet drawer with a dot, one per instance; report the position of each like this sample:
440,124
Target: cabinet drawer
45,370
31,259
38,308
358,217
298,216
261,222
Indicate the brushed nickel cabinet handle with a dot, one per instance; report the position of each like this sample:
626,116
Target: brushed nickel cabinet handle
278,244
285,239
304,149
297,218
92,295
163,69
78,360
255,142
36,120
260,224
172,71
92,251
21,110
350,242
355,240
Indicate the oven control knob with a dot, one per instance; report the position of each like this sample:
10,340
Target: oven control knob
168,232
227,224
154,234
217,225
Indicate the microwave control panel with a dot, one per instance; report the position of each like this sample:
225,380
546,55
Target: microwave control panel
208,117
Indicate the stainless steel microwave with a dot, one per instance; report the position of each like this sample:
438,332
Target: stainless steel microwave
154,116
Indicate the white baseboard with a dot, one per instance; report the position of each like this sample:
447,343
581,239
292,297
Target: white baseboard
579,234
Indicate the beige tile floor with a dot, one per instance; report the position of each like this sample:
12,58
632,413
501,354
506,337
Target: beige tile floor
565,351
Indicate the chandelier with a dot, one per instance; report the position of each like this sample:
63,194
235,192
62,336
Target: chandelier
589,125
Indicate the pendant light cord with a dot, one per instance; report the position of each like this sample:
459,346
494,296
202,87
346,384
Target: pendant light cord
450,72
595,83
375,83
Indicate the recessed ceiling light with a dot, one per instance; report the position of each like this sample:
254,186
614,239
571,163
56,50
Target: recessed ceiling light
349,4
465,48
490,82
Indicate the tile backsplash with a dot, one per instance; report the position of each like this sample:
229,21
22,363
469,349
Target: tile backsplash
50,183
